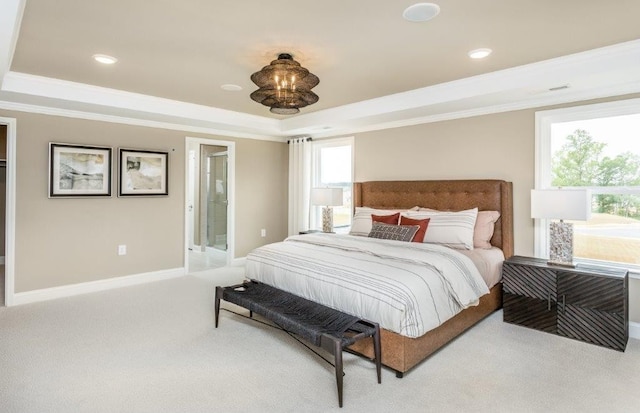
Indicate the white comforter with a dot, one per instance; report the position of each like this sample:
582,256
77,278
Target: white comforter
408,288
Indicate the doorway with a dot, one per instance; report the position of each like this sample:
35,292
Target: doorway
209,207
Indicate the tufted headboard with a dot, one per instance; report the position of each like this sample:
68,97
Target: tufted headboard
453,195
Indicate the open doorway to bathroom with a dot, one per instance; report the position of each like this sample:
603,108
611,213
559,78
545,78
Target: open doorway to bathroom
208,205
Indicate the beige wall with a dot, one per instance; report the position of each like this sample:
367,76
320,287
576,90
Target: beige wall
499,146
67,241
263,171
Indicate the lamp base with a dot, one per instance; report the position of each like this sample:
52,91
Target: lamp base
561,244
327,219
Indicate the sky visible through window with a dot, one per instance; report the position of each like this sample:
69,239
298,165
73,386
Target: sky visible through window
620,133
335,164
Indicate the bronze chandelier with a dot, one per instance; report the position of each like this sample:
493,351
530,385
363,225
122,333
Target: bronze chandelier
285,86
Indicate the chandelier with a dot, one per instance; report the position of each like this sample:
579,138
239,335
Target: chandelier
285,86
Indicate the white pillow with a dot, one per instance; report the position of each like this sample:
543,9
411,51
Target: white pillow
361,223
484,228
453,229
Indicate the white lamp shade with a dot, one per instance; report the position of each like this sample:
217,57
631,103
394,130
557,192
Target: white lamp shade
326,196
572,204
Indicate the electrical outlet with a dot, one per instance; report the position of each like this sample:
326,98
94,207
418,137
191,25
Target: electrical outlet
122,250
263,232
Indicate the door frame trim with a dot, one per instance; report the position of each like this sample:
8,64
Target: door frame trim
10,212
231,186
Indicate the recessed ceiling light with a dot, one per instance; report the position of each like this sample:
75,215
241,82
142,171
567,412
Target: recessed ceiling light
479,53
104,59
231,88
421,12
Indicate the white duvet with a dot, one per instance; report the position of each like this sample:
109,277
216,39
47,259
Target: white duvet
408,288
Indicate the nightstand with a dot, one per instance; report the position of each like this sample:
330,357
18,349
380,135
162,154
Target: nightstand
586,303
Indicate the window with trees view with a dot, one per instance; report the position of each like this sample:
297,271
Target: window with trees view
597,147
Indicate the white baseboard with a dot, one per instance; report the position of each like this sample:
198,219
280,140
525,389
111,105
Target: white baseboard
94,286
634,330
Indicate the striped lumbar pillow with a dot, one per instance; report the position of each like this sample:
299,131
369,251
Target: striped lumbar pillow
393,232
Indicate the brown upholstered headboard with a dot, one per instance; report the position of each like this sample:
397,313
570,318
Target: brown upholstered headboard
454,195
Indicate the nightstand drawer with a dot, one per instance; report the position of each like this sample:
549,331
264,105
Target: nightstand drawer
529,312
529,281
598,293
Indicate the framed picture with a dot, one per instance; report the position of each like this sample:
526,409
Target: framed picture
143,173
79,170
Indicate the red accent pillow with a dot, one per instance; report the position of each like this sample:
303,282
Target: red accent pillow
423,223
386,219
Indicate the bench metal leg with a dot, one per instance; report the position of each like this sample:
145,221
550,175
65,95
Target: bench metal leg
338,358
377,353
219,291
334,346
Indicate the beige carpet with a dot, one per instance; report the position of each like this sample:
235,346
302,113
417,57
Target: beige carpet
153,348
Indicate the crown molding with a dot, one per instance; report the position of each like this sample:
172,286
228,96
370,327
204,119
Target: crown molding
583,71
546,101
54,111
62,90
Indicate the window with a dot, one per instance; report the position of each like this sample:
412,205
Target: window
333,167
598,147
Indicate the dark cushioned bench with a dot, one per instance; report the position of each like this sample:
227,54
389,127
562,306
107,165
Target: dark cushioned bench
322,326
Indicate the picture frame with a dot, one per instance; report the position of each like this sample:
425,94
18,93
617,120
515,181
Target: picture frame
143,172
79,170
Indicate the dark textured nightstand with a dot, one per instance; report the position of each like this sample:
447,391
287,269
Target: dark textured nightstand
585,303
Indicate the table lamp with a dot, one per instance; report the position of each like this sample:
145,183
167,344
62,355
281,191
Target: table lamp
573,204
326,197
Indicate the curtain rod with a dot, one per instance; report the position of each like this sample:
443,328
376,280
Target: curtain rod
306,139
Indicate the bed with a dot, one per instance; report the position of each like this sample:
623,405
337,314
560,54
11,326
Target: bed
403,349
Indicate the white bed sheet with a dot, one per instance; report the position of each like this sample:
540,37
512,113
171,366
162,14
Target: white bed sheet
488,262
408,288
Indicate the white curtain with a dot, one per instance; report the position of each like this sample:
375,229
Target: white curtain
299,184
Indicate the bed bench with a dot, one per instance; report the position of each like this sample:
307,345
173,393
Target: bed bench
322,326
